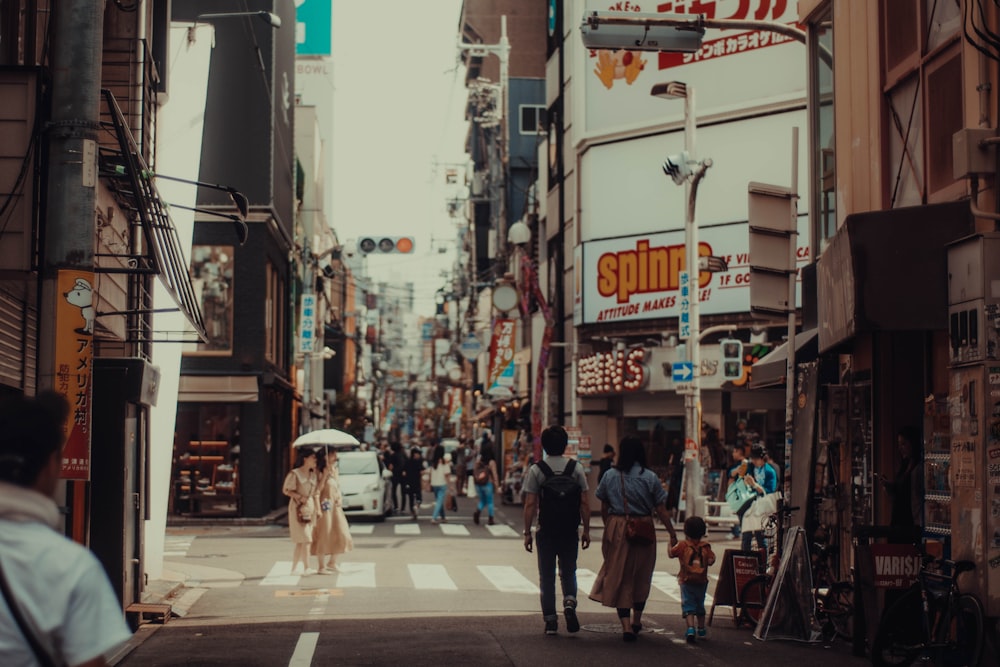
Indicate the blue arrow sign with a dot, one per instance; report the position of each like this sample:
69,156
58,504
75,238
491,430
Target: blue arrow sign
683,371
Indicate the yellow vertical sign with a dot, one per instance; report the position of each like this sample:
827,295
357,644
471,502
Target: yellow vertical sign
74,356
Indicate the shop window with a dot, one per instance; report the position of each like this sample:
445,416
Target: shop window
212,278
274,321
206,466
944,82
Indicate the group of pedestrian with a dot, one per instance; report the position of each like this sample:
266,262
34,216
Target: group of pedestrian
631,495
316,520
752,465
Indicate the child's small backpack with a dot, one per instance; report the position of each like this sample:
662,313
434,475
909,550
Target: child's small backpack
697,570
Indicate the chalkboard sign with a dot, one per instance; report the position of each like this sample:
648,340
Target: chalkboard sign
738,567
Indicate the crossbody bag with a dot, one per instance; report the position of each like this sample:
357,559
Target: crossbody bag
41,654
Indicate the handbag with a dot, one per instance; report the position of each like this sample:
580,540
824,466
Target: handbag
305,512
738,493
44,659
638,530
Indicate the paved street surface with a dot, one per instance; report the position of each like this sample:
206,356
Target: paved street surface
416,593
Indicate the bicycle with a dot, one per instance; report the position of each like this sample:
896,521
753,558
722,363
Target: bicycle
834,599
753,595
933,621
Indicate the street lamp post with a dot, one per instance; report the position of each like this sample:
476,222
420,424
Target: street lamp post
687,170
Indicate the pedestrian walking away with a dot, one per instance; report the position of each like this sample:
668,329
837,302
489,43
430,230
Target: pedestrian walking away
58,606
486,479
332,535
302,486
440,469
556,490
412,480
396,464
762,480
630,494
607,460
696,556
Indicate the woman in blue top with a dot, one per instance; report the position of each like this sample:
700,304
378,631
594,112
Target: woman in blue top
763,480
627,572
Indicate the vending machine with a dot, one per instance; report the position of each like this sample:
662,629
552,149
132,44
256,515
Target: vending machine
973,468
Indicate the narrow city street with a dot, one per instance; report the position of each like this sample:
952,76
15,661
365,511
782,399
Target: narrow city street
417,593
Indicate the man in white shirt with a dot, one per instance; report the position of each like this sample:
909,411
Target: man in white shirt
59,588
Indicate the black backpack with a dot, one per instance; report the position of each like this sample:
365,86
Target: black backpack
559,498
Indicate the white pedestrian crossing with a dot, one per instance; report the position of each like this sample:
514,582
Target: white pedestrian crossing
431,577
356,575
508,579
501,530
406,529
584,581
667,584
362,529
176,546
454,529
281,575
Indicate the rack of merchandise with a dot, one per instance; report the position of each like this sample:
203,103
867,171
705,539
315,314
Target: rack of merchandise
206,480
937,468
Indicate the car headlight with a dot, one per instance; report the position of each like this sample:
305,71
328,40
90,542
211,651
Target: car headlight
371,488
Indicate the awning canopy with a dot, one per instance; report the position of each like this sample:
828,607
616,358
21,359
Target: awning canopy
770,370
218,389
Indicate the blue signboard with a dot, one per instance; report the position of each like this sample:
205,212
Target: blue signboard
313,27
683,371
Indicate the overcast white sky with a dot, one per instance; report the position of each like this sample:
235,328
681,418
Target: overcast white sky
398,124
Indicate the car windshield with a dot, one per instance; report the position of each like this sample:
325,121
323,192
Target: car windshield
358,465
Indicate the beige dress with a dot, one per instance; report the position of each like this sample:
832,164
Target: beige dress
304,483
333,534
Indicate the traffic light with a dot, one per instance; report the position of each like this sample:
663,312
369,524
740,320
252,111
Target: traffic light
732,358
368,245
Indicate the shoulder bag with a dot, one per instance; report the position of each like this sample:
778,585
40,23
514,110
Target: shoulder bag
44,659
638,530
738,493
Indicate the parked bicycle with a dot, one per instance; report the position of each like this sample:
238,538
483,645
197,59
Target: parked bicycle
753,595
933,621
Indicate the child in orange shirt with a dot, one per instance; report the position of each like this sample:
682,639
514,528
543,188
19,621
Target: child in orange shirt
695,556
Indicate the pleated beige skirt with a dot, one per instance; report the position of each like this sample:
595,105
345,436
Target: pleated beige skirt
627,572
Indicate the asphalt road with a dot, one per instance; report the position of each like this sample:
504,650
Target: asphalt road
415,593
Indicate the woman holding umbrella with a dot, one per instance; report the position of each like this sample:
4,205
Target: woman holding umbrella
301,486
333,533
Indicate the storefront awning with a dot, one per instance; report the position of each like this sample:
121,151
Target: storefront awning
888,271
218,389
770,370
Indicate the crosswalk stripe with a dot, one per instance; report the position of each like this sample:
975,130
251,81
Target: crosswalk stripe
584,581
506,578
431,577
304,650
280,575
667,583
356,575
406,529
501,530
454,529
362,529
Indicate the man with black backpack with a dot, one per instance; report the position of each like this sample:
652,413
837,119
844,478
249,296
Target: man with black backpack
556,489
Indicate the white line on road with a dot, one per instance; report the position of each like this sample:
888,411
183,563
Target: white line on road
454,529
406,529
584,581
501,530
366,529
304,649
431,577
667,583
507,579
280,575
356,575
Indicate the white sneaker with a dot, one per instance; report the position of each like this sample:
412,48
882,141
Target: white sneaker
309,571
298,570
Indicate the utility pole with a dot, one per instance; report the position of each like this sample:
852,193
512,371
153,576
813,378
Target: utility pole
77,46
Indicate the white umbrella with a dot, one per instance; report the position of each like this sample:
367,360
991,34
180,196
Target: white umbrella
326,437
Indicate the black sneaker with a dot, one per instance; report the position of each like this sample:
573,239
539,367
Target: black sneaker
552,627
572,622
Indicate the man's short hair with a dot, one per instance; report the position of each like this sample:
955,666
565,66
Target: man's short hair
608,449
31,430
554,440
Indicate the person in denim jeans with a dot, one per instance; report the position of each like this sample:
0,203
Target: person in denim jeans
695,555
440,469
557,538
487,460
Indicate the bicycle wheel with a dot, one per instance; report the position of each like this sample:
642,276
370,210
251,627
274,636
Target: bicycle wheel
836,608
962,637
753,597
900,637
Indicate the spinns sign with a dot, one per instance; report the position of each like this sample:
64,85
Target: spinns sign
313,27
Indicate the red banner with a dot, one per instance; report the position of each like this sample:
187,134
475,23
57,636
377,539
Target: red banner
896,565
74,353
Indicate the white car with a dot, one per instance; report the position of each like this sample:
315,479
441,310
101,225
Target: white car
365,484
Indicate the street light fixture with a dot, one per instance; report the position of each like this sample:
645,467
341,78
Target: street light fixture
272,20
687,171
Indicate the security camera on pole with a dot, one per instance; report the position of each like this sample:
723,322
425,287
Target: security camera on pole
685,170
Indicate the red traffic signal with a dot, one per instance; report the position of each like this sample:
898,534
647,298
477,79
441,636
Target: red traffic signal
386,244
